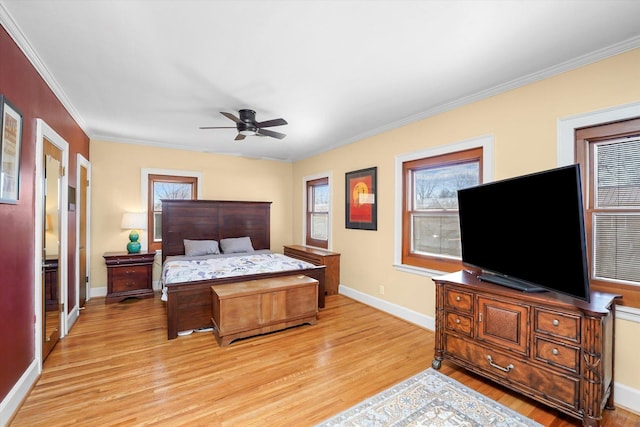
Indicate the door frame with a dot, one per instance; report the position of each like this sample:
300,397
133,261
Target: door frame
82,162
44,131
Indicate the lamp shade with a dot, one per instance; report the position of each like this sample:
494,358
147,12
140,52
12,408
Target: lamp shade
134,221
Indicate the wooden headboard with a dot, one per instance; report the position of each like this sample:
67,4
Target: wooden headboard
213,220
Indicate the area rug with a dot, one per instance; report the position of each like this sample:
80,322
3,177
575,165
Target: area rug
429,399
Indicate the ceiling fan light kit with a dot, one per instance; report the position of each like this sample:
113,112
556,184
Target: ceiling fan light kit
247,125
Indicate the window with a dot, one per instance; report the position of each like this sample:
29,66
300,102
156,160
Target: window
610,162
166,187
317,213
430,225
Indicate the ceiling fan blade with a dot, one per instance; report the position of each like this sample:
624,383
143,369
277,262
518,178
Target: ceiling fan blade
217,127
269,123
230,116
270,133
240,137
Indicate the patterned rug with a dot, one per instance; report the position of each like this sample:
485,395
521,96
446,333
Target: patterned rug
429,399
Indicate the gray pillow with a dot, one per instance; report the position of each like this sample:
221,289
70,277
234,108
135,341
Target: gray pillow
200,247
236,245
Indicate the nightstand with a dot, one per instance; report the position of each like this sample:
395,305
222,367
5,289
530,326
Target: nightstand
318,256
129,275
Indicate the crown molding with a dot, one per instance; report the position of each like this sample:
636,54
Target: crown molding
12,28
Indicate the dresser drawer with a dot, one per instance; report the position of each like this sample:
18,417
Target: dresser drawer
562,325
459,300
557,354
459,323
516,371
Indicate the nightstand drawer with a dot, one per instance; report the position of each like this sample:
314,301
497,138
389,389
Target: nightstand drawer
130,277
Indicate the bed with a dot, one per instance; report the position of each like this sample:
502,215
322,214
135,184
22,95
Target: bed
189,303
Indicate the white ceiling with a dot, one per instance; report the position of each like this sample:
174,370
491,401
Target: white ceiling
153,72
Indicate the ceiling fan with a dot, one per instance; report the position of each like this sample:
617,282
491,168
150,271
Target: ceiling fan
247,125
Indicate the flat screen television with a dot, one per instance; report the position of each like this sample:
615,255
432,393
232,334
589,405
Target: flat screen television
527,232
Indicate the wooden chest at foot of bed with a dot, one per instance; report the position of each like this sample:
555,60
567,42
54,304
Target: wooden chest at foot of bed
254,307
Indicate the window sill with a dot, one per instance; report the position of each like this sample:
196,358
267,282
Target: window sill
405,268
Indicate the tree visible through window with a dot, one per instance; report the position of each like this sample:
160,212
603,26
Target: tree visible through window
431,228
163,187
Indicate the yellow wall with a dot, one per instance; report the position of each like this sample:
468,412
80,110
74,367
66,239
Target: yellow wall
523,122
116,188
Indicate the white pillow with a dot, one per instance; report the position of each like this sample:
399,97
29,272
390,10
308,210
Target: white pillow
200,247
236,245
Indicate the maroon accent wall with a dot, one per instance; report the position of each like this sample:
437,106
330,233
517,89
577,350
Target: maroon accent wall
28,92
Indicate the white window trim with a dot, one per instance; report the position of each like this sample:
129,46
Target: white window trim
144,188
305,179
568,125
485,142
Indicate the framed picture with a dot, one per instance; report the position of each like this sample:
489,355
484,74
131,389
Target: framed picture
360,196
10,144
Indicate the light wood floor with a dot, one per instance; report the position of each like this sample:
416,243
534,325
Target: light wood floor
117,367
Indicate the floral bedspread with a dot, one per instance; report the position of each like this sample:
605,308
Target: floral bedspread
178,271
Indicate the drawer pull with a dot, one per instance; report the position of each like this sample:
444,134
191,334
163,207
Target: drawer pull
458,298
458,321
507,369
555,352
556,322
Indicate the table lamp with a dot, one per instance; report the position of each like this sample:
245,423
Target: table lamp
134,221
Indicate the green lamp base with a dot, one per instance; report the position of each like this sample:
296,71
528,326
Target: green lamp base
133,247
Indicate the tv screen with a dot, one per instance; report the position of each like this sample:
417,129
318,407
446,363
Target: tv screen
527,232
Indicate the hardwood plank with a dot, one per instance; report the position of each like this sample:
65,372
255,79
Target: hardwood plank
117,367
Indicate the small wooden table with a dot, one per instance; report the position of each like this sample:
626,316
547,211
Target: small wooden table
254,307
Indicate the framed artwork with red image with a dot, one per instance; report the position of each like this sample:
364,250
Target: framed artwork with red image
360,197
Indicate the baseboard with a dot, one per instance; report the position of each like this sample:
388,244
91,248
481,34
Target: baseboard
18,393
393,309
98,292
624,396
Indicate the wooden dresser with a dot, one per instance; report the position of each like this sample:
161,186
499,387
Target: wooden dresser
252,307
555,349
129,275
317,256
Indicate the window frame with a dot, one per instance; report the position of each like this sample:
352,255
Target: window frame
147,202
310,186
306,229
432,265
409,256
585,140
